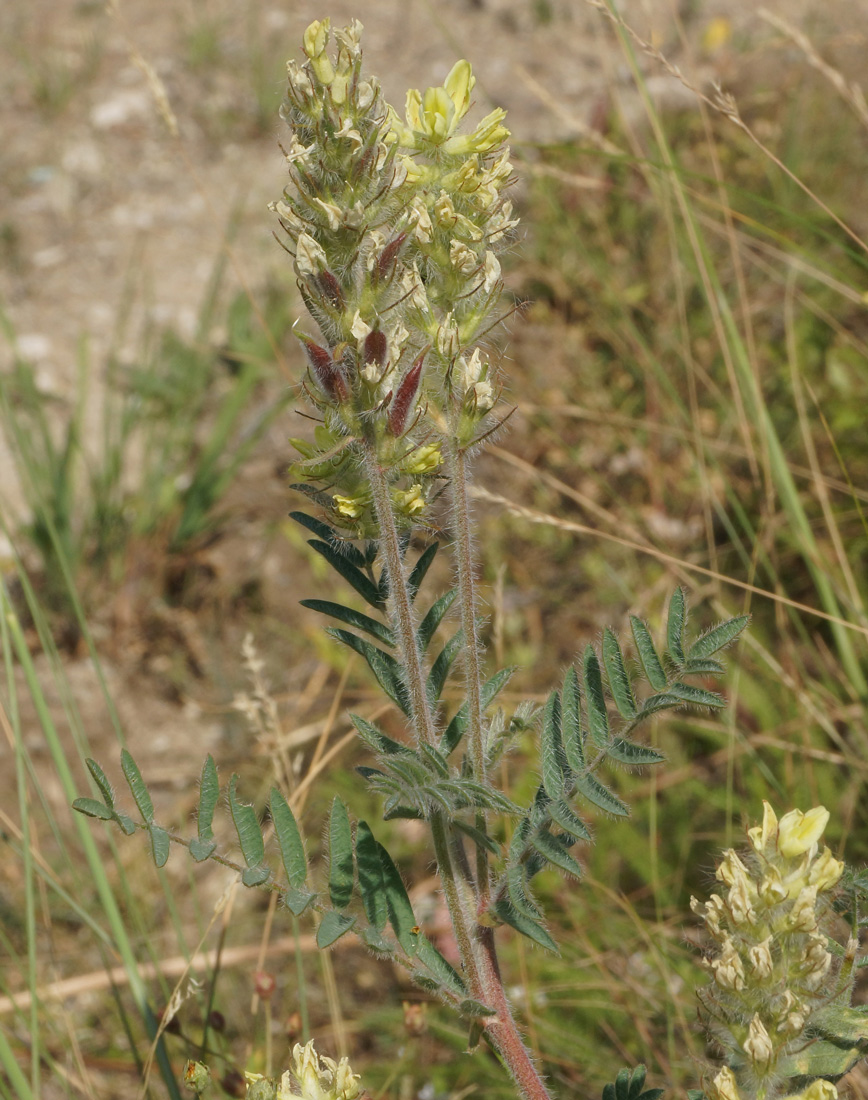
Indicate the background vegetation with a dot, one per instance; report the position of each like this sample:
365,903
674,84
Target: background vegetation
689,364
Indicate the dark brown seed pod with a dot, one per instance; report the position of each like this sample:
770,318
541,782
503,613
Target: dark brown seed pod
402,402
324,370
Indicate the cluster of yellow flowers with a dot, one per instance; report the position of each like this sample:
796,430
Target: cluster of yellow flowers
394,226
771,966
312,1077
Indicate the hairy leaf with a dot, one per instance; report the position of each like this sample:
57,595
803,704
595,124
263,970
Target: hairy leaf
554,764
201,850
341,875
160,844
571,722
372,939
532,929
703,666
629,1086
137,786
675,626
298,900
91,808
375,739
517,889
209,792
563,814
555,851
289,839
105,788
628,752
458,726
354,618
697,697
654,703
332,926
440,668
445,974
255,876
648,655
595,698
372,885
435,760
328,535
619,681
351,573
481,839
400,910
417,573
475,1009
719,637
433,618
593,791
247,827
383,665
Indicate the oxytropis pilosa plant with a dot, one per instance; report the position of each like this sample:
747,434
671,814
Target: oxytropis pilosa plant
778,1003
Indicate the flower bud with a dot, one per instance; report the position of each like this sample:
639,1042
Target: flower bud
758,1046
315,41
803,916
197,1077
760,957
728,968
388,257
310,259
724,1086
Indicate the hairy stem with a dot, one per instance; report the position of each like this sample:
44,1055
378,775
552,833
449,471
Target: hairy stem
402,604
502,1031
458,478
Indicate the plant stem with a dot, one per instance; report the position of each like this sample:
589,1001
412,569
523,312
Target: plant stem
458,478
458,475
501,1030
475,942
404,613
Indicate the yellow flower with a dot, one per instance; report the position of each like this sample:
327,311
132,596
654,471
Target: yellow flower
351,507
409,501
423,460
798,832
761,835
825,871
